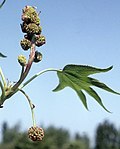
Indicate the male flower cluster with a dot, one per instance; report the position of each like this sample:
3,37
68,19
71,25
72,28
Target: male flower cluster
31,26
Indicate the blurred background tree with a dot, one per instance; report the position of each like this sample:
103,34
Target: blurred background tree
55,138
107,136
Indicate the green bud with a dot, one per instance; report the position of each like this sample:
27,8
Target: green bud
22,60
32,28
40,40
30,15
28,9
25,44
35,19
39,30
38,57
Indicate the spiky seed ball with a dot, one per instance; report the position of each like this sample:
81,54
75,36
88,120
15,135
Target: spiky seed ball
40,40
38,57
22,60
36,133
25,44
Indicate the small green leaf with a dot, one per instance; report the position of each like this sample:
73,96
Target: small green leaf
1,55
2,3
76,77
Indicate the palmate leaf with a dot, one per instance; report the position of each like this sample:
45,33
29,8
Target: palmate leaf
2,55
76,77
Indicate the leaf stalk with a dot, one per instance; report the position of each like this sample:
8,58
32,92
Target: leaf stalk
31,107
38,74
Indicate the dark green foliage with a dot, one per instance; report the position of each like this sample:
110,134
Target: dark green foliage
4,131
55,138
58,136
9,134
107,136
82,140
76,145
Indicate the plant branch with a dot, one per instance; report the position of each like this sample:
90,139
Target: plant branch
29,64
31,79
22,71
3,78
38,74
14,89
31,106
3,91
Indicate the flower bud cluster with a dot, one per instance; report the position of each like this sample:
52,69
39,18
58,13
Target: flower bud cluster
22,60
31,26
40,40
38,57
30,15
25,44
36,133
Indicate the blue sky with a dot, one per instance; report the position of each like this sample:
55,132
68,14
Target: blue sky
77,32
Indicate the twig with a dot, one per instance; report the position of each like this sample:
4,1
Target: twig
31,106
3,78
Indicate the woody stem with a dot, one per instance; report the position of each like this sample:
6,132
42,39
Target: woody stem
24,73
29,64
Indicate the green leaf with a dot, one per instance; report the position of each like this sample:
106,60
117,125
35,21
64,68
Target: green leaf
76,77
1,55
2,3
